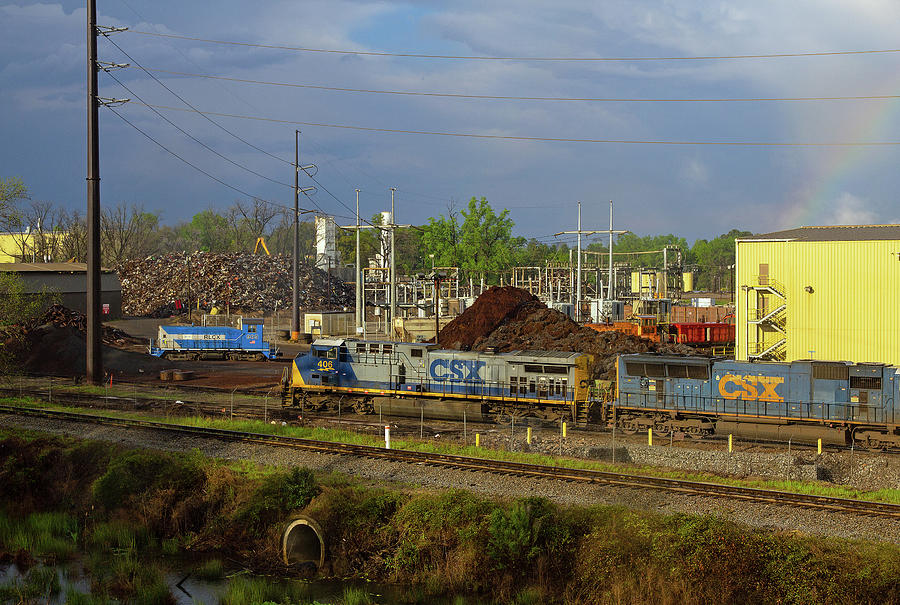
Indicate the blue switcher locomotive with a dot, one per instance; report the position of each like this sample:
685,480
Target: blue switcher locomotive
411,378
837,402
245,342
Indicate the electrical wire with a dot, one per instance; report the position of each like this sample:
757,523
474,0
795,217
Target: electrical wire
200,170
546,139
195,110
198,141
524,98
510,58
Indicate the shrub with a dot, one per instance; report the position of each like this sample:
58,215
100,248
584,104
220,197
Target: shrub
136,472
277,495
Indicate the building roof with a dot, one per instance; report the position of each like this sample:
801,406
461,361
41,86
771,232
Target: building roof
837,233
48,268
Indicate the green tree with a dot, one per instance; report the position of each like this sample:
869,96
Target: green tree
442,237
369,243
207,231
715,260
12,191
486,242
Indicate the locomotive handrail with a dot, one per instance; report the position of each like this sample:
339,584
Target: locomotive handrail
756,408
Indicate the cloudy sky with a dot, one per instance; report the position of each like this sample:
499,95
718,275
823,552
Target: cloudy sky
701,189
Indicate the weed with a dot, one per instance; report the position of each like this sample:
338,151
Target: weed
211,569
357,596
243,590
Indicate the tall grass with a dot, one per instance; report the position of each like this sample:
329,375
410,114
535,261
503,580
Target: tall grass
244,590
48,535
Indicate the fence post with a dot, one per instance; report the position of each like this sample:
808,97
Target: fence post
387,437
232,403
650,435
477,440
819,446
730,444
465,435
528,436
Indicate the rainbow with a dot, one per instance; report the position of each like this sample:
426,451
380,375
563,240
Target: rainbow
812,204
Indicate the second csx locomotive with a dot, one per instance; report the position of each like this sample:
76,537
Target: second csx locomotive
400,377
838,402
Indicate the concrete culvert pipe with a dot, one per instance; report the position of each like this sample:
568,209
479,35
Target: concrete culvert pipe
303,543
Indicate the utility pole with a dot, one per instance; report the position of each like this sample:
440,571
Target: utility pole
580,232
295,282
393,268
94,358
360,309
611,290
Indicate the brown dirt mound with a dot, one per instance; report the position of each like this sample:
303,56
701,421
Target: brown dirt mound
516,320
61,351
490,309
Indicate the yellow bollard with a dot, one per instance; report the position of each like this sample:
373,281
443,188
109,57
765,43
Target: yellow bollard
820,446
729,443
528,436
564,429
650,436
477,439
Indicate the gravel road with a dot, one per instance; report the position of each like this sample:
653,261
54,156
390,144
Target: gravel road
773,517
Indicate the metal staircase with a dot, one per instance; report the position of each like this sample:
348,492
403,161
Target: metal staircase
768,321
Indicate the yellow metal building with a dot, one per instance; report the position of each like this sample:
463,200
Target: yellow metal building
825,293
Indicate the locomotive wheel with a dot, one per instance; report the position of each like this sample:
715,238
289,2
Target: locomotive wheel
661,430
363,406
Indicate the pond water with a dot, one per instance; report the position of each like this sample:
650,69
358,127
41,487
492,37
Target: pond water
187,590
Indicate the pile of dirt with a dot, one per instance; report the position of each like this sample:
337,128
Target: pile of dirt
494,306
243,282
55,343
511,319
61,351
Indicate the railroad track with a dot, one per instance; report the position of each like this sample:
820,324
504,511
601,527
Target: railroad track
844,505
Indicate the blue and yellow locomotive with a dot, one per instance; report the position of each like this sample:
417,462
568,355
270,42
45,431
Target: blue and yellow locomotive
405,378
837,402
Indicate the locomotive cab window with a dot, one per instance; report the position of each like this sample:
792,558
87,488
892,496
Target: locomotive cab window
360,347
251,329
332,353
534,369
556,370
415,353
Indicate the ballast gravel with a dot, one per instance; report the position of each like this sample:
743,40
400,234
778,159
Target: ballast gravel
765,516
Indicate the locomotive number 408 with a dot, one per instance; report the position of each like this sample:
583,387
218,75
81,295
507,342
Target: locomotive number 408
326,365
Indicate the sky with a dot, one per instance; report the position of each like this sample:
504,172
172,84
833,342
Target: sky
728,174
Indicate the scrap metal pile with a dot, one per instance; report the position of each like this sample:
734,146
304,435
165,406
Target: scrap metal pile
63,317
509,319
243,282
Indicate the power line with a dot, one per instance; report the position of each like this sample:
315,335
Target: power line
198,141
543,139
183,100
526,98
491,58
198,169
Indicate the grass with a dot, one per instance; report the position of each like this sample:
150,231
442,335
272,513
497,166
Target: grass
244,590
350,437
49,535
211,569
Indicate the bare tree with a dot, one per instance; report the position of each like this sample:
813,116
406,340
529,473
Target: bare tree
73,245
126,232
248,221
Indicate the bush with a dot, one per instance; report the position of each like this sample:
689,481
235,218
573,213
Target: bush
137,472
279,494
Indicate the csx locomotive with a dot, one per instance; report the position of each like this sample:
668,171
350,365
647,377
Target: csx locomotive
837,402
369,376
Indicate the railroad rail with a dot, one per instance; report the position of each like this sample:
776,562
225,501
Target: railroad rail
520,469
